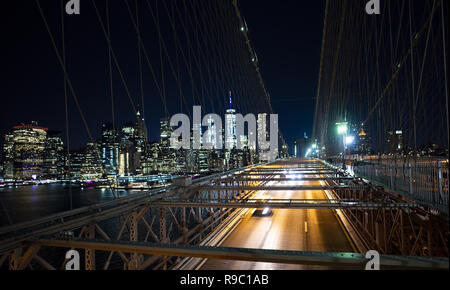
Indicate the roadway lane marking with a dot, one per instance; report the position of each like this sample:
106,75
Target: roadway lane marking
338,215
306,227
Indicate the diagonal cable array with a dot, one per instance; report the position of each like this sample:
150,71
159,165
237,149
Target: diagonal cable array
384,73
195,53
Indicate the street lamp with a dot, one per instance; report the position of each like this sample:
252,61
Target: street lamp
342,129
349,140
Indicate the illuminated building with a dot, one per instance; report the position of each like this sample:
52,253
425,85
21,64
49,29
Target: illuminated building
244,142
180,161
216,162
140,133
284,151
133,148
141,143
165,132
148,161
110,149
211,133
230,127
394,141
167,155
230,135
53,156
301,146
127,165
76,162
128,132
191,161
129,158
8,156
92,165
152,156
203,157
28,148
364,142
262,133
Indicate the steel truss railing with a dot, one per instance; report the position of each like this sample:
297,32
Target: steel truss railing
425,180
402,231
284,204
146,219
246,254
135,218
281,188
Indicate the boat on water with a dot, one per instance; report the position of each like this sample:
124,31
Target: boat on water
135,186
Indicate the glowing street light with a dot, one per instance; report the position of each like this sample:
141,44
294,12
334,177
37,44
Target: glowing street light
308,152
342,128
349,140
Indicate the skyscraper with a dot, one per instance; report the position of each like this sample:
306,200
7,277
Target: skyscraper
394,141
128,132
262,134
92,165
28,145
53,156
211,134
76,163
203,158
134,154
300,146
364,142
110,149
166,155
8,156
140,134
230,126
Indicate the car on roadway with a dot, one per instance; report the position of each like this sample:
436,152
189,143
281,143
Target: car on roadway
263,212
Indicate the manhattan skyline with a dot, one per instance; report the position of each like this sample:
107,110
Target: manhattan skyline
39,70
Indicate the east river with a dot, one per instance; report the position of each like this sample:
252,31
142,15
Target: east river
25,203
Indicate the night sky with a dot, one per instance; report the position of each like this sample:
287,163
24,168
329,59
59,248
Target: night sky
285,34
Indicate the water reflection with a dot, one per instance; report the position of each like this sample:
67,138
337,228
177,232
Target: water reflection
25,203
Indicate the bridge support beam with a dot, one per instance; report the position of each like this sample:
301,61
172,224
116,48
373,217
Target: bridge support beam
135,258
163,233
240,254
89,255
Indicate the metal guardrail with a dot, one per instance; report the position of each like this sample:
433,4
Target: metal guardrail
284,204
259,255
14,234
424,180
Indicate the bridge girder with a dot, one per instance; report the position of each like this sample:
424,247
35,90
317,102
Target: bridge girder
392,226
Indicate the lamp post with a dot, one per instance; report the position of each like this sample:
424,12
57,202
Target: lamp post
342,129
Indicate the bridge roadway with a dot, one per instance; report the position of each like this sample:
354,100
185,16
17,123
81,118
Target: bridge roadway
287,229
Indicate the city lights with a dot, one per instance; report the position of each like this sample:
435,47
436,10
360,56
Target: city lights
151,136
